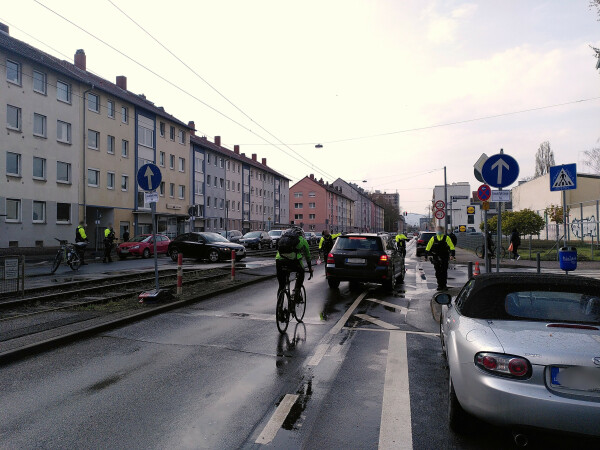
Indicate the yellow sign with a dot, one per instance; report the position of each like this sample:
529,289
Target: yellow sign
470,210
485,206
462,228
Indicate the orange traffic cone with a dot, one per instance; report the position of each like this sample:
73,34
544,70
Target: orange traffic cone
476,271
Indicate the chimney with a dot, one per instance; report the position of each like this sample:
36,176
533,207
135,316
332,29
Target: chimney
321,181
218,140
312,176
264,161
80,59
192,125
244,155
236,149
122,82
253,156
4,28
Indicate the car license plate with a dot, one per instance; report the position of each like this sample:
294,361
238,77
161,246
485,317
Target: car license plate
124,250
578,378
355,260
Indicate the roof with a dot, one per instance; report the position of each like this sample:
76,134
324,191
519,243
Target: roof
205,143
68,69
328,187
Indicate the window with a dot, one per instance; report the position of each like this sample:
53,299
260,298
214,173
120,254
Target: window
208,158
172,133
228,184
39,82
297,194
312,216
39,125
63,212
93,139
208,179
13,117
124,114
181,191
312,205
63,91
215,161
63,132
161,189
110,109
208,202
238,208
198,185
13,210
221,163
39,168
125,148
312,194
162,129
124,182
171,190
172,161
221,184
145,131
110,144
161,159
39,212
13,72
181,137
63,172
182,164
238,187
93,177
215,184
93,102
221,203
298,216
110,180
298,205
13,164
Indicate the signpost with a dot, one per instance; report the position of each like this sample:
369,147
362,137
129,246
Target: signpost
563,178
439,209
439,214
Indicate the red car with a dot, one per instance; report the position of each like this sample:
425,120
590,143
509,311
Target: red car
143,246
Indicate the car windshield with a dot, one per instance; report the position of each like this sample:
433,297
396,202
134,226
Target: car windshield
358,243
252,234
141,239
213,237
426,236
275,233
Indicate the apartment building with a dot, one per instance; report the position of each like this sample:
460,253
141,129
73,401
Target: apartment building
368,216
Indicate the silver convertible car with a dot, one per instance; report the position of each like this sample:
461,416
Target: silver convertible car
523,352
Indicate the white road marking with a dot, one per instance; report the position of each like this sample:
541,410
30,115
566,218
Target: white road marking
396,429
402,309
422,333
381,323
338,326
319,353
277,419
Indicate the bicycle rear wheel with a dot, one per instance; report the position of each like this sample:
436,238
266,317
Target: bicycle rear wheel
74,261
282,311
300,307
56,262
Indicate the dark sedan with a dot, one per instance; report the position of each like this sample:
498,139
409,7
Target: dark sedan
257,240
232,235
210,246
422,241
365,258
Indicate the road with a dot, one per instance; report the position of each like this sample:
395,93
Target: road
364,371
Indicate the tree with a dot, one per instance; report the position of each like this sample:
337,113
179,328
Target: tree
544,159
555,212
525,221
596,4
592,159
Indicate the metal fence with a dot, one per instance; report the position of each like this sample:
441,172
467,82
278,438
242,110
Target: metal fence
582,223
12,275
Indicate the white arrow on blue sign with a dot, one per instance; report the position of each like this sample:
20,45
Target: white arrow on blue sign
500,170
149,177
563,178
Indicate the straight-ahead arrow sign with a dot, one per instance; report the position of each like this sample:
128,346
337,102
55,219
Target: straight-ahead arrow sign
500,164
500,170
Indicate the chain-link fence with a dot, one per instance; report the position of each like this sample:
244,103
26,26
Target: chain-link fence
12,275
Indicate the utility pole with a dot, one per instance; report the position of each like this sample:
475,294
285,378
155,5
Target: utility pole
445,202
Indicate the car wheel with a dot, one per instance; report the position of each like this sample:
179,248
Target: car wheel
442,341
259,246
333,284
390,284
146,253
213,256
400,278
174,254
458,419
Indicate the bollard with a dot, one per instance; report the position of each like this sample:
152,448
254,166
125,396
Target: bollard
179,273
537,260
470,270
232,265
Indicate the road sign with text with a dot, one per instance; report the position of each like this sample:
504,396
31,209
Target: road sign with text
501,196
500,170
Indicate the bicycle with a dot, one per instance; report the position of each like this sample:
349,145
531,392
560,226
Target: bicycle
69,253
287,307
480,250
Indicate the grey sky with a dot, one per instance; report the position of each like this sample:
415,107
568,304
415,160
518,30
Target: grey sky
332,71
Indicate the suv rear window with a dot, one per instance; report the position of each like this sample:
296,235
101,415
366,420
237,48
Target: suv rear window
426,236
358,243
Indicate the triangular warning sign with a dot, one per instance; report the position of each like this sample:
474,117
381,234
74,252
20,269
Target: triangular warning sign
563,180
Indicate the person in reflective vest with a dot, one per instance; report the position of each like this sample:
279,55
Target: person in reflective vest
401,243
109,237
440,249
81,236
326,243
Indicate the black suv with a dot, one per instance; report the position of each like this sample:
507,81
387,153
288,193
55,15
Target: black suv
423,240
365,257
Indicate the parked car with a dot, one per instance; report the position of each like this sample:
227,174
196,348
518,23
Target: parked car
365,257
275,235
143,246
522,352
231,235
422,241
205,245
257,240
311,237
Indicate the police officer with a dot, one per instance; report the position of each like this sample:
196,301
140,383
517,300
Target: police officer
441,249
109,237
401,242
81,237
326,243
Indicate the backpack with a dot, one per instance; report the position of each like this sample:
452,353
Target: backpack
288,243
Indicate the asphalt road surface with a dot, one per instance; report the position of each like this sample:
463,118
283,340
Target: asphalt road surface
363,371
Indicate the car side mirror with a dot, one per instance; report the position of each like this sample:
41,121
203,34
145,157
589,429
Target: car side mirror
442,298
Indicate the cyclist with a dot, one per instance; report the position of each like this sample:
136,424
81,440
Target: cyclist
401,242
291,248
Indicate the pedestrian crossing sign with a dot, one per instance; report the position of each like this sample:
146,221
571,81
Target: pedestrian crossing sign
563,178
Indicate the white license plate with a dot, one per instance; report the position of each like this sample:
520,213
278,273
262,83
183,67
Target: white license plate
124,250
579,378
356,260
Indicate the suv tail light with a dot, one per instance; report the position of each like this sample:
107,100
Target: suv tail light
330,259
384,260
504,365
420,241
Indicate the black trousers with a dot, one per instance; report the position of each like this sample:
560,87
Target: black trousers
441,271
515,249
284,267
107,249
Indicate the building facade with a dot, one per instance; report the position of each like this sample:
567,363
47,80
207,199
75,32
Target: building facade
367,215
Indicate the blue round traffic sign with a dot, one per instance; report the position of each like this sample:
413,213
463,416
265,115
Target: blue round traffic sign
149,177
484,192
500,170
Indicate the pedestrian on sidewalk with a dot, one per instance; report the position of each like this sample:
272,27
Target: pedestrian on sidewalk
515,241
109,238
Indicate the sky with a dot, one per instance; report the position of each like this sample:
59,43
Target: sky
393,90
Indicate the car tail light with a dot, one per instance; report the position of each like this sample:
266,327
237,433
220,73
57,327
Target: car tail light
420,241
384,260
504,365
330,259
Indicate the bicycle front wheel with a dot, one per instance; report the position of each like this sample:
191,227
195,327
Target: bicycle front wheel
56,262
479,251
282,311
300,307
74,261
